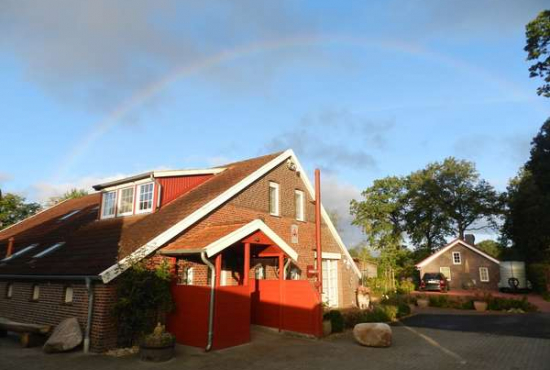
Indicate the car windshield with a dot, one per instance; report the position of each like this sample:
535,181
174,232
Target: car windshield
431,276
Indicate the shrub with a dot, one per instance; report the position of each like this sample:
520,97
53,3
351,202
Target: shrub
504,304
352,317
336,320
538,276
405,287
546,296
441,301
403,309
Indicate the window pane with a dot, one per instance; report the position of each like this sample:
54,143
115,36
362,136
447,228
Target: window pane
126,201
299,202
273,199
68,294
35,292
108,207
146,197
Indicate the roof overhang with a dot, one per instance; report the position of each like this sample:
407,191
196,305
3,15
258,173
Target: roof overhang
451,245
236,236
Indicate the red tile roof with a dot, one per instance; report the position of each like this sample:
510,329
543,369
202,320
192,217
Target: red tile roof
203,237
93,245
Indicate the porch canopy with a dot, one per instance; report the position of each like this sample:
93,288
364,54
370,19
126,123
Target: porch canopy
215,238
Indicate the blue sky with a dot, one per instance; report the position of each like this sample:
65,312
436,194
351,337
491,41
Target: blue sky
96,90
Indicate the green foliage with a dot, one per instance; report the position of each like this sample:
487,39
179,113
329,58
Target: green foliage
538,276
490,247
538,39
546,296
336,320
505,304
70,194
143,298
405,287
528,200
13,209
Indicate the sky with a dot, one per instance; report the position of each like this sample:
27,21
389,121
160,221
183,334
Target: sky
95,90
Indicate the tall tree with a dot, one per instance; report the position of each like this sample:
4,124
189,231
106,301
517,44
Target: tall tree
13,209
464,197
381,213
427,223
69,194
528,199
491,247
538,41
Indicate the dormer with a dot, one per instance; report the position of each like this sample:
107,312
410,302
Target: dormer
147,192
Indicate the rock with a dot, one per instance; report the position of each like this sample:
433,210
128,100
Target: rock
66,336
373,334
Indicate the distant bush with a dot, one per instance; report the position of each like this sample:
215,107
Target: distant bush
405,287
336,320
538,276
505,304
352,317
403,309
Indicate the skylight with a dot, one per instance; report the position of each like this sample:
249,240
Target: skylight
22,251
72,213
49,250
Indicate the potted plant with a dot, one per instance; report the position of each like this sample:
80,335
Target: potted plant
422,301
157,346
481,300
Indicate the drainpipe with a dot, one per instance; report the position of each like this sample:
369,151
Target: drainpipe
318,229
212,296
90,288
286,267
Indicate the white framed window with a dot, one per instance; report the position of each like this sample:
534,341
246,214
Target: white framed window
457,259
126,201
484,274
259,272
274,199
299,203
446,271
108,204
35,292
188,276
69,294
145,198
9,290
330,282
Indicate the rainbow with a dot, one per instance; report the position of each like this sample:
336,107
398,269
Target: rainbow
101,127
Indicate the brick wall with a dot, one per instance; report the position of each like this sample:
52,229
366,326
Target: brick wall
50,308
253,203
468,270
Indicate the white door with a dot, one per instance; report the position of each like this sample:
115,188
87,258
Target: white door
330,282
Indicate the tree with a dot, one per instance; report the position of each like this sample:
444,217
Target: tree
463,196
427,223
538,40
335,219
381,214
13,209
491,247
70,194
528,203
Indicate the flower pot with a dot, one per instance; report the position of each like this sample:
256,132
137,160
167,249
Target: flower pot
327,327
480,306
422,302
156,353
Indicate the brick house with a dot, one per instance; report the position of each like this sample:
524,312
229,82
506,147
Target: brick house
241,239
463,265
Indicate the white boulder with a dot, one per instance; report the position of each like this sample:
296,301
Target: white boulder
373,334
66,336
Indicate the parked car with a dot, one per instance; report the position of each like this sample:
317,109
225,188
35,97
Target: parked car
434,281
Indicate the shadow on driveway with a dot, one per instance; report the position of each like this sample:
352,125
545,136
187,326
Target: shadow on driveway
533,325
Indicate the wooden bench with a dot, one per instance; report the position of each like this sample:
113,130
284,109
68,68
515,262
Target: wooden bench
30,334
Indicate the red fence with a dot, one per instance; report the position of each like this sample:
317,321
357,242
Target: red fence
292,305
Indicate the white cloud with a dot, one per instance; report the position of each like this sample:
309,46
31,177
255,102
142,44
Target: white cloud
4,177
336,196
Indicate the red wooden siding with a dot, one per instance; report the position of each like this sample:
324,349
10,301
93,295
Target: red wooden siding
232,316
173,187
189,321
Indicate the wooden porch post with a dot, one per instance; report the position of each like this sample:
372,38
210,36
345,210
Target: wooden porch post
281,284
218,269
246,263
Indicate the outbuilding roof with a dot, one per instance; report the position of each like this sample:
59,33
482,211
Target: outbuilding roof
453,244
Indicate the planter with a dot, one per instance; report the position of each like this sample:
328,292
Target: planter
480,306
422,302
327,327
156,353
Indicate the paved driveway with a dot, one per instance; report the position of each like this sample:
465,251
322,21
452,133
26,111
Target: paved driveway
426,341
